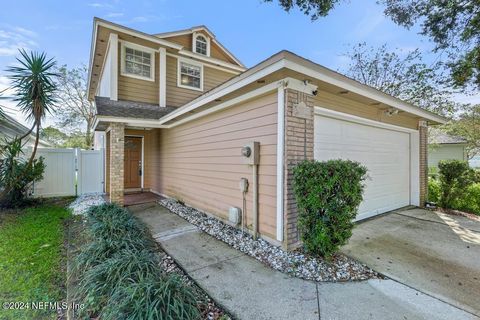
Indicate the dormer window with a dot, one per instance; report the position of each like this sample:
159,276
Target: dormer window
201,44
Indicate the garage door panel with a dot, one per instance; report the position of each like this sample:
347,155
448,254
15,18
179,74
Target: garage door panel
385,153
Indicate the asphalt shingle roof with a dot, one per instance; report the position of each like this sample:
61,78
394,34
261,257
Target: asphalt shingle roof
130,109
437,136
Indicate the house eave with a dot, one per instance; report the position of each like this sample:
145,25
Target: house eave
289,61
129,122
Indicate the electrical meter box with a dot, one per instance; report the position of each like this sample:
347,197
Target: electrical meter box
251,153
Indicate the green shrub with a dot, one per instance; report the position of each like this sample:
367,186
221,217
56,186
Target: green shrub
119,274
454,177
433,190
469,200
476,175
99,282
328,195
16,176
164,297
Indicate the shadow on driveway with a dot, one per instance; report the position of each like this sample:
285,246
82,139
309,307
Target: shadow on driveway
432,252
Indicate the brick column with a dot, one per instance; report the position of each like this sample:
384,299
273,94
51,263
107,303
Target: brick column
117,146
298,147
423,133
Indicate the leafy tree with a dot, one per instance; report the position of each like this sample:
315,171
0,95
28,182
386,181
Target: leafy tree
54,136
76,139
34,89
74,110
59,139
453,25
406,77
468,127
314,8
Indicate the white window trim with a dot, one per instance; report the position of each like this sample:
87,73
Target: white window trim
124,45
194,43
179,72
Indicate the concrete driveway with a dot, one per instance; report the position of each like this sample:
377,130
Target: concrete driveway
432,252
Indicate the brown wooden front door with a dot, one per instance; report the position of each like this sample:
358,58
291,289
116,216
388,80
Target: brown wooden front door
133,162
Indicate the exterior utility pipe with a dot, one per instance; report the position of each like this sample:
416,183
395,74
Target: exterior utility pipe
255,201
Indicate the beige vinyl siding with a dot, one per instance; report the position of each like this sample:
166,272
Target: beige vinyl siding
177,96
215,51
134,89
200,161
345,105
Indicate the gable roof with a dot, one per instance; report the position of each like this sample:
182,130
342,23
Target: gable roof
437,136
286,60
11,128
98,50
203,28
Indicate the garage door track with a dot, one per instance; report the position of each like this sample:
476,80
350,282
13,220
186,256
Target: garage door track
433,252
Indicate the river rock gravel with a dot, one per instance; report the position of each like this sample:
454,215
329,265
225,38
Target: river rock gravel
294,263
85,201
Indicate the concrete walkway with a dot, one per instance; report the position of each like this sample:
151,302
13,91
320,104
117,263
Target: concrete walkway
250,290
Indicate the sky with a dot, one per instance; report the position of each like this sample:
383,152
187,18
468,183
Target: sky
251,29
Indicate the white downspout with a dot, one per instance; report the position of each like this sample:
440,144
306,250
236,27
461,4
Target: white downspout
280,158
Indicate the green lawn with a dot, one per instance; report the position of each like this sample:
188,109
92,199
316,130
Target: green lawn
32,259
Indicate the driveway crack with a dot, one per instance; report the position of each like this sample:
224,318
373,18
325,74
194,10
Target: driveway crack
318,301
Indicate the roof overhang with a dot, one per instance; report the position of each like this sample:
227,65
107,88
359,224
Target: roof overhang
97,23
208,32
156,40
303,68
101,122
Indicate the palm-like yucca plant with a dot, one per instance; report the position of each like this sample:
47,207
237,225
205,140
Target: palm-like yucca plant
32,82
34,89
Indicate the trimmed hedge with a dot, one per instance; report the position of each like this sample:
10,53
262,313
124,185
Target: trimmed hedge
328,195
119,274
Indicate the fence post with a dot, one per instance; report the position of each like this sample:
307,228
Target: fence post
78,176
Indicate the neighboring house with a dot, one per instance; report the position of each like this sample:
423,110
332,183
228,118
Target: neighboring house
10,128
443,146
177,108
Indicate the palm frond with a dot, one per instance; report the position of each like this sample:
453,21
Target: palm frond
33,84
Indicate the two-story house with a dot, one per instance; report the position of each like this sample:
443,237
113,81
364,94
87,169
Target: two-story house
179,111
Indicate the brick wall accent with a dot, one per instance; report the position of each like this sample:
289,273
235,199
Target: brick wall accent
298,147
423,133
117,145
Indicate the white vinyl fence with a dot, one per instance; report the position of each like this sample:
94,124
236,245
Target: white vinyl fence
90,171
69,172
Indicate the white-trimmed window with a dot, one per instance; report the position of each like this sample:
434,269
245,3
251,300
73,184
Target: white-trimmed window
201,44
190,74
138,61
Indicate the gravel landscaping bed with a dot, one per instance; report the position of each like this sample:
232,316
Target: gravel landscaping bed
296,263
85,201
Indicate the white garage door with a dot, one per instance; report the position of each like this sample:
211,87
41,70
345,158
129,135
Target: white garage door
385,153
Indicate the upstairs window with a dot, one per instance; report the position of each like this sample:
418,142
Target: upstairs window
138,62
190,75
201,44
